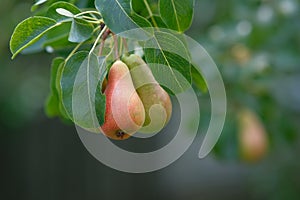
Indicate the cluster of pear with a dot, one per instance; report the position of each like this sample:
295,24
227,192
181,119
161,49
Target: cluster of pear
134,100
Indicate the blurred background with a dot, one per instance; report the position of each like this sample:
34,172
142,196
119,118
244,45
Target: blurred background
255,44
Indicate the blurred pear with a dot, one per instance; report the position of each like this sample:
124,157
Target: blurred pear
253,140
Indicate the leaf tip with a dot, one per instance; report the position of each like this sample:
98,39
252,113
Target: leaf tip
64,12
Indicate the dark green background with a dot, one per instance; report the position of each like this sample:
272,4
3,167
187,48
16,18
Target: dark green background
43,158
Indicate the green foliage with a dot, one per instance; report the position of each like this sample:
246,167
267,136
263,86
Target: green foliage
145,8
168,50
119,17
177,15
68,76
30,31
100,98
62,25
52,105
80,31
79,82
57,38
52,10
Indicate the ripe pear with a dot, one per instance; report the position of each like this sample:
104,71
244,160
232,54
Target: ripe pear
253,139
156,101
125,112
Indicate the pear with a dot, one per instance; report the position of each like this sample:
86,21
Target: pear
125,112
156,101
253,138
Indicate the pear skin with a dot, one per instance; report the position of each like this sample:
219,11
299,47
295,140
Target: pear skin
125,112
156,101
253,138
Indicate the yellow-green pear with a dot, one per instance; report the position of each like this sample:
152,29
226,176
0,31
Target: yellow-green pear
156,101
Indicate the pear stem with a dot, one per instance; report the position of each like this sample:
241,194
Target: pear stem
101,47
104,37
125,45
120,46
117,56
97,40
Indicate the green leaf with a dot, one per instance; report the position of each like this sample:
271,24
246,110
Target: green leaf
29,31
52,11
100,98
85,91
80,31
37,4
57,64
167,49
177,14
100,102
149,10
198,80
119,17
79,83
157,21
66,82
64,12
35,47
145,8
55,39
52,108
63,113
